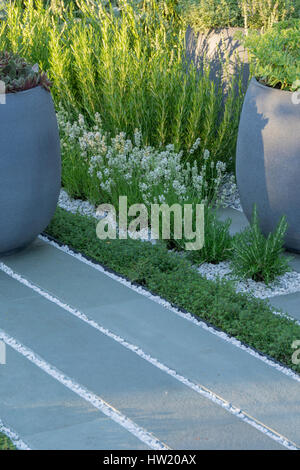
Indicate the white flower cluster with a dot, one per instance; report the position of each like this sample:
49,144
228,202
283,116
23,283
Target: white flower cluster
126,167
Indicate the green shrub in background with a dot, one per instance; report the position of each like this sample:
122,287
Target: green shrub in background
259,258
276,54
130,68
256,14
207,14
259,14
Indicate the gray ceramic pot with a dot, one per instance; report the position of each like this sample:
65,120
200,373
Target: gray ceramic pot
268,159
30,167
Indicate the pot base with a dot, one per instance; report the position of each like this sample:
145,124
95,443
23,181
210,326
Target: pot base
16,250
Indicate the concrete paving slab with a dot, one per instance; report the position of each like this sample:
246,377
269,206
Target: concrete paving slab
9,290
238,220
295,261
100,434
288,303
240,378
49,416
46,266
172,412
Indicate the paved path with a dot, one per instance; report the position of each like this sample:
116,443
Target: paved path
93,364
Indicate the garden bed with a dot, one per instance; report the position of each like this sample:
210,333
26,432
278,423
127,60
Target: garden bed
174,278
137,120
285,284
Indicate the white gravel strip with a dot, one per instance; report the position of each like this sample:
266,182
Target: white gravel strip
84,393
77,206
229,193
287,284
198,388
18,443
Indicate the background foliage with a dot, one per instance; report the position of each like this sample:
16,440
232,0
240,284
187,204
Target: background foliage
256,14
129,66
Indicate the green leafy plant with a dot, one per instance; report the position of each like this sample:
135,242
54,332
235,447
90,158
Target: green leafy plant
217,241
258,257
18,75
5,443
276,54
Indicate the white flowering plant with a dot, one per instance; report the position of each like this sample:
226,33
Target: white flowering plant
101,169
123,166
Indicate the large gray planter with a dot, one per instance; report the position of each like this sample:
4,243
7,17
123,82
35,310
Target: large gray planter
30,167
216,44
268,159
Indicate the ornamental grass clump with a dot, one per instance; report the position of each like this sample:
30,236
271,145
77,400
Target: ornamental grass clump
19,75
258,257
217,240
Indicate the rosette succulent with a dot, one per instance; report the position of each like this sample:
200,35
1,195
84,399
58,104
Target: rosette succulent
19,75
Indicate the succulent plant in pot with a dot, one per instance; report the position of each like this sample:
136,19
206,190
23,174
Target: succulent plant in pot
268,148
18,75
30,167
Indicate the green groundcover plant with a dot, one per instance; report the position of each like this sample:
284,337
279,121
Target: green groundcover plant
258,257
256,14
5,443
276,54
174,278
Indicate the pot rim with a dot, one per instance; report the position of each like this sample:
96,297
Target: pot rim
30,90
266,87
